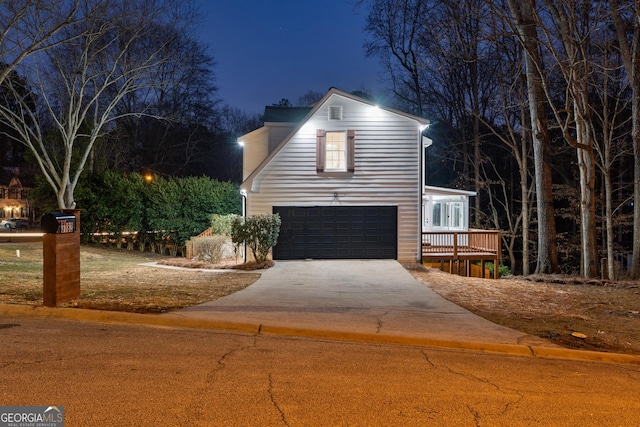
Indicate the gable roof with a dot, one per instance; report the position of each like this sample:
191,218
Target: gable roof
311,111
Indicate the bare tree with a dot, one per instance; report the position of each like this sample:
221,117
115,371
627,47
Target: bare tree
625,15
397,29
309,98
175,137
522,14
610,108
80,78
28,27
512,132
438,51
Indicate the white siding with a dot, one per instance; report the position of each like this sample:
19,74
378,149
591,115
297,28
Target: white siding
387,158
254,150
277,133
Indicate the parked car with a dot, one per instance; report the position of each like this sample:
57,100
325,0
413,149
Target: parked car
15,223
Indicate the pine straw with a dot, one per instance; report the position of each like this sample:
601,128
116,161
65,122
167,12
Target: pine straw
550,307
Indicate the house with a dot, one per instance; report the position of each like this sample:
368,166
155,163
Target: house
13,200
345,177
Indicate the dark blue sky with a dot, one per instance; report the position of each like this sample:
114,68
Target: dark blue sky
267,50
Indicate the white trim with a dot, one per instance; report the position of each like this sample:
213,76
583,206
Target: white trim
442,191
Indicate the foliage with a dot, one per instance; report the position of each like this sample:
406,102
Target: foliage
259,232
503,270
176,139
167,210
221,224
209,248
179,208
99,56
114,204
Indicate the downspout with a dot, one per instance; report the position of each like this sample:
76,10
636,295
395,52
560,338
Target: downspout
243,193
423,179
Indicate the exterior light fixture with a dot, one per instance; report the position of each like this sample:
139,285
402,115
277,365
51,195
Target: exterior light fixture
241,143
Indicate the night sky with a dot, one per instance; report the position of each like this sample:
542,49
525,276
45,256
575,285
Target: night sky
267,50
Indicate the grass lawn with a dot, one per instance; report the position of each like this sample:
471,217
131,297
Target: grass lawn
112,279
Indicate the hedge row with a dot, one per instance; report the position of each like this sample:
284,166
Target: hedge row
155,213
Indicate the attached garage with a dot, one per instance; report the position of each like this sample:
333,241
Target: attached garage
344,175
337,232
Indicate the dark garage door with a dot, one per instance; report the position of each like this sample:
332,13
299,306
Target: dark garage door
337,232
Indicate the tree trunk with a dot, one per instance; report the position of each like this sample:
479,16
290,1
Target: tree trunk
608,191
629,53
635,257
547,250
589,255
524,194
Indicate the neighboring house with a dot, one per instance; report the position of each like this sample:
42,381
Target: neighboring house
13,200
345,177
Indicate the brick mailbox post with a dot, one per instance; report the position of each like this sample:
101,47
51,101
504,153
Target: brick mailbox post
61,256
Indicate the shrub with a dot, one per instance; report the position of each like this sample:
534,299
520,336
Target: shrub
259,233
210,248
503,270
221,224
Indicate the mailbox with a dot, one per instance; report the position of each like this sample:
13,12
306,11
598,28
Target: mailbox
58,223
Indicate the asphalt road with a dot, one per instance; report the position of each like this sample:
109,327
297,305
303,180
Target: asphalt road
129,375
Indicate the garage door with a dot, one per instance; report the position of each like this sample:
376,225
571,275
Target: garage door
337,232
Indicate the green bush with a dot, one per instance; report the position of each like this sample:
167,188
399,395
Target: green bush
503,270
221,224
165,211
259,233
210,248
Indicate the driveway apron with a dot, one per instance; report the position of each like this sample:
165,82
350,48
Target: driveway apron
352,296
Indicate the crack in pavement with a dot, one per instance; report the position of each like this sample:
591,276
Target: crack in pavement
275,404
197,403
426,357
507,406
476,415
379,322
379,325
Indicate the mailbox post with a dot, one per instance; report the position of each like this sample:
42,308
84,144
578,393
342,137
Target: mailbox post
61,256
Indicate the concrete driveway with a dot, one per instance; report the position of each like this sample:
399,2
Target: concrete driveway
352,297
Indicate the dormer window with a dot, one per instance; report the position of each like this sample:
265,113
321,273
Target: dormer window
335,112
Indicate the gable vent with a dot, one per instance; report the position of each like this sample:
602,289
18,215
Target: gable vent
335,112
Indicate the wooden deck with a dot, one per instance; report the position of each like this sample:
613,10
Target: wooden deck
462,246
